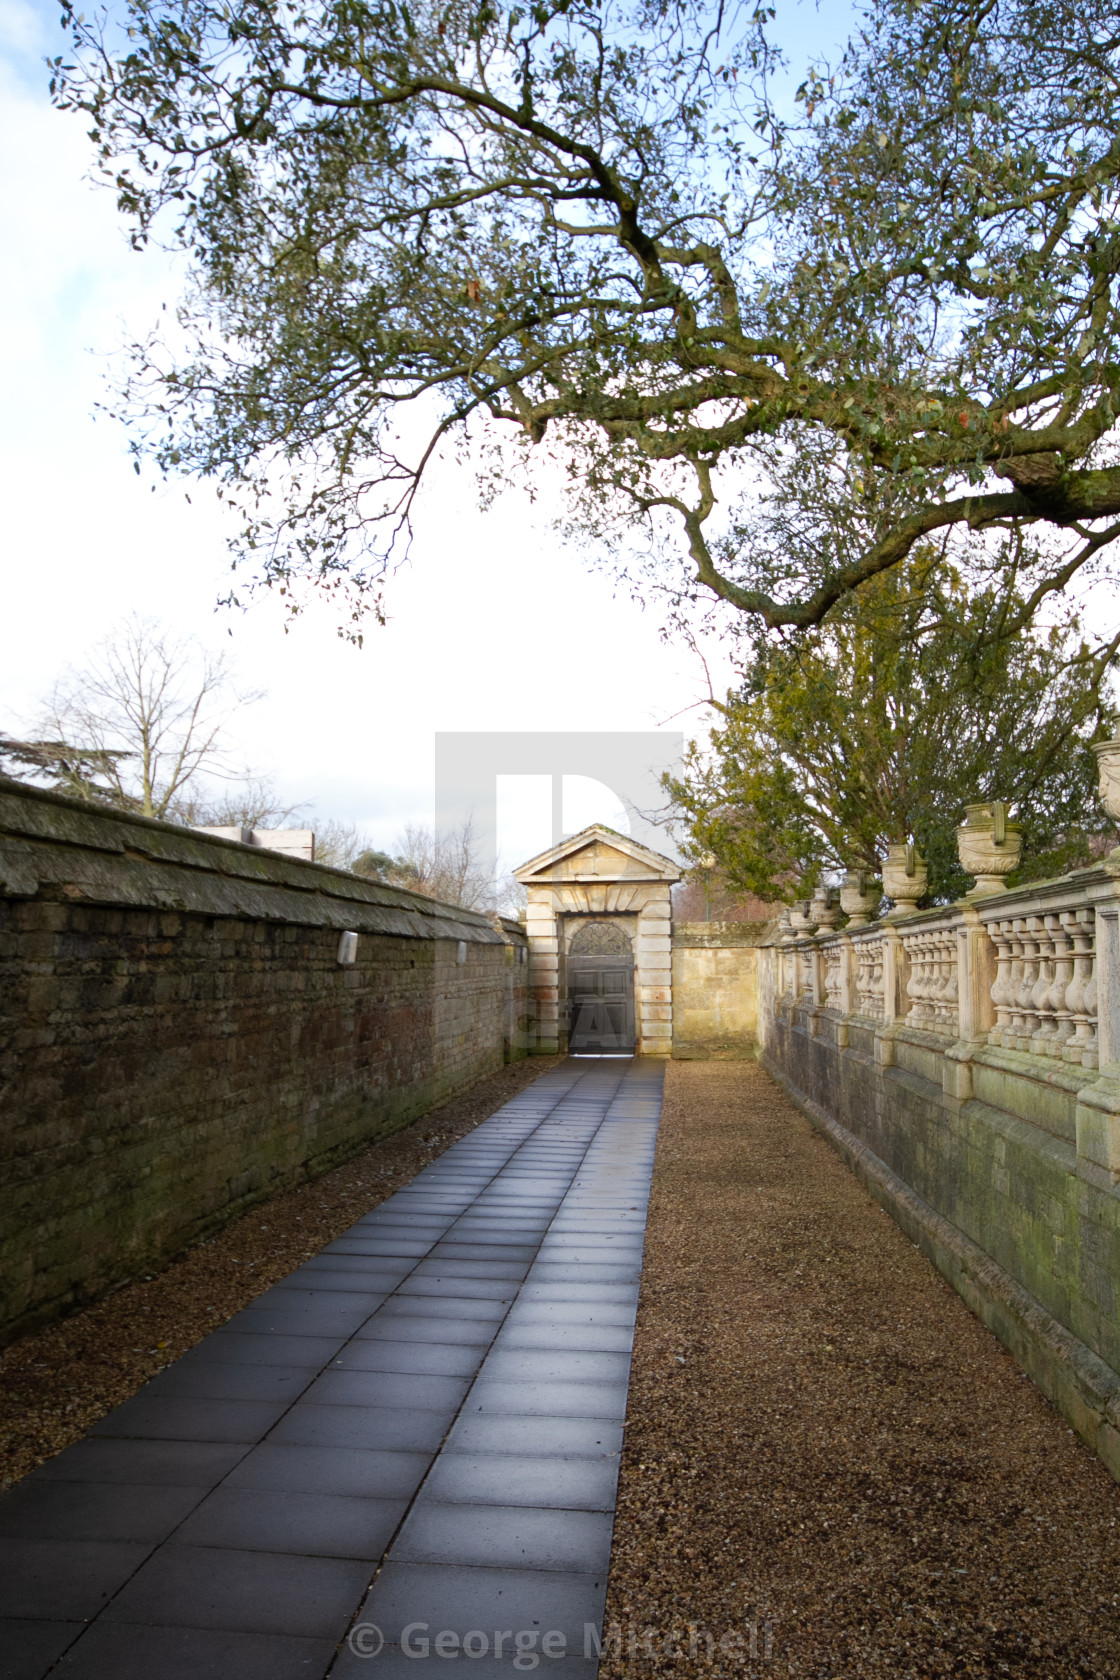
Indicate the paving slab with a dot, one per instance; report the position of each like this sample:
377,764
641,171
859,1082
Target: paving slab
413,1437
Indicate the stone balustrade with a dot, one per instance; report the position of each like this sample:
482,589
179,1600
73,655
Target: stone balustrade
932,986
966,1061
868,954
1045,989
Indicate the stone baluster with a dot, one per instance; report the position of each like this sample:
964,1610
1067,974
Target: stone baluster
1027,1019
833,976
1062,944
1090,1057
1079,1002
1044,1036
948,1004
1015,1035
1002,987
869,979
916,985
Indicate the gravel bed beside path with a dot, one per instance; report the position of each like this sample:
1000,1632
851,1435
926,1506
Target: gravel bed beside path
55,1385
827,1456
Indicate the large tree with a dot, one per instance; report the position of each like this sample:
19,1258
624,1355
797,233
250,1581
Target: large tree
883,724
581,226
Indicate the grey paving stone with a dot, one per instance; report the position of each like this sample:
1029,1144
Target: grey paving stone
235,1346
387,1388
340,1321
489,1271
512,1364
489,1309
331,1278
387,1428
573,1251
29,1648
64,1580
197,1464
606,1314
449,1250
488,1228
457,1599
600,1294
211,1379
108,1652
45,1510
417,1358
550,1436
575,1484
192,1420
554,1271
352,1302
262,1592
349,1470
584,1338
551,1399
396,1327
307,1524
505,1537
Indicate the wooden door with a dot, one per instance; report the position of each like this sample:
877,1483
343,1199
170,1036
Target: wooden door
600,1004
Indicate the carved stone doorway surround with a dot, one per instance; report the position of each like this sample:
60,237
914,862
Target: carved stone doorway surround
594,876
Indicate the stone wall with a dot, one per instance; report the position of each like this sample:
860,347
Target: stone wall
967,1064
715,989
179,1038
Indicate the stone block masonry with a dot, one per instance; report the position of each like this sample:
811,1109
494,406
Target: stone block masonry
715,989
178,1037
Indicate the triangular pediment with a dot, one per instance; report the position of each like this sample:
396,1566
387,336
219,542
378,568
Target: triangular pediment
598,853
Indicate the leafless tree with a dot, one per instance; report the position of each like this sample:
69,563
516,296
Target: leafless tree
249,801
149,709
342,845
446,866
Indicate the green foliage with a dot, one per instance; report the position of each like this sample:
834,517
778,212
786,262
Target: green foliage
583,229
882,726
89,773
378,866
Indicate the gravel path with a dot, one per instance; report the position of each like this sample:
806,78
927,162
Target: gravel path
826,1455
56,1385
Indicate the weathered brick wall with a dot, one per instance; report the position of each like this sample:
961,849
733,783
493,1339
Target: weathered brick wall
178,1037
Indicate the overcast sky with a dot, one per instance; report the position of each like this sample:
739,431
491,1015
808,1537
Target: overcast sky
494,625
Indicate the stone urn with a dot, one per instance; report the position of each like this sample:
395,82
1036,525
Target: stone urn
801,917
989,846
1108,773
904,877
825,909
859,897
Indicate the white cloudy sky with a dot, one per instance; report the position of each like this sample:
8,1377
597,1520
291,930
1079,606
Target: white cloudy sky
85,541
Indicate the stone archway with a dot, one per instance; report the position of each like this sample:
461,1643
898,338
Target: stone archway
598,876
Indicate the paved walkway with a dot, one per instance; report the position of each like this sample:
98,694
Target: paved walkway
433,1404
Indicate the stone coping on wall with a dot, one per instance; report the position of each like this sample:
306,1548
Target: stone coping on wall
51,843
722,936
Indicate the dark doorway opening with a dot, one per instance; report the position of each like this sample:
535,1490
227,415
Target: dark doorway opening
600,991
